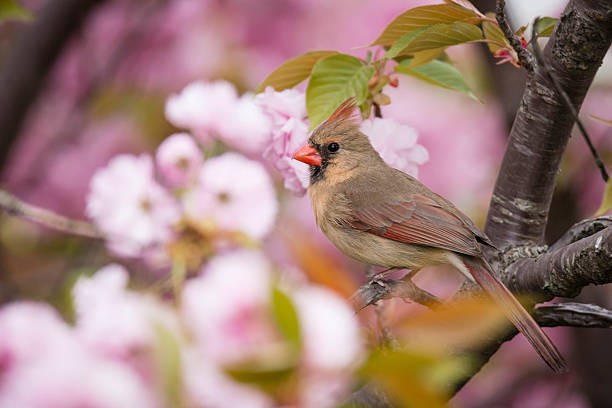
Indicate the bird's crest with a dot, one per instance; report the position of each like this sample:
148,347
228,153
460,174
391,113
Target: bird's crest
345,113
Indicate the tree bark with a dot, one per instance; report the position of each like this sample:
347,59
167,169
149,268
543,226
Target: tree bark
523,191
520,204
29,61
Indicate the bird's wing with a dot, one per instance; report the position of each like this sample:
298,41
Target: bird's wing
421,220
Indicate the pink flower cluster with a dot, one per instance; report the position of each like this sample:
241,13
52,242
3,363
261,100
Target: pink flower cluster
273,125
138,205
270,124
131,349
396,144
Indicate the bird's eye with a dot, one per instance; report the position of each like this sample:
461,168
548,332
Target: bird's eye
333,147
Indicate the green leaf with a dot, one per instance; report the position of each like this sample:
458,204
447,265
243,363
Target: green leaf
420,17
437,73
494,34
178,274
403,42
521,30
436,36
606,202
334,80
169,364
293,71
545,26
286,318
423,57
11,10
269,379
414,378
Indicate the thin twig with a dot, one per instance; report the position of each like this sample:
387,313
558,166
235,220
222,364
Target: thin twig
566,99
14,206
378,289
524,56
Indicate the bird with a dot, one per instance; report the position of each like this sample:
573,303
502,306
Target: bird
382,216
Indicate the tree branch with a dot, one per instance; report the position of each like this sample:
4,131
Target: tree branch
585,135
29,61
376,290
582,229
14,206
573,314
523,190
563,272
524,56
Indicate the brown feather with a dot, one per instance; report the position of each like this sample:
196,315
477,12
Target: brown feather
381,216
344,112
516,313
417,220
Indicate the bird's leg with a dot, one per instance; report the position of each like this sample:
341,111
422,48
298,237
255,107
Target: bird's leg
370,274
378,276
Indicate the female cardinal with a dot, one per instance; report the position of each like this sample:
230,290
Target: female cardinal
382,216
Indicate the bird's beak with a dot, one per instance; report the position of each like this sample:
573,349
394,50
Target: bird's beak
308,155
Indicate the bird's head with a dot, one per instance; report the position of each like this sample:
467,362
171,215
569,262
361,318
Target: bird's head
337,146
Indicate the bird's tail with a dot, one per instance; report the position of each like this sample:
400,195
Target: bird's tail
482,273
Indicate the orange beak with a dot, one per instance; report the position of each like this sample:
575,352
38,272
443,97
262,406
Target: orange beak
308,155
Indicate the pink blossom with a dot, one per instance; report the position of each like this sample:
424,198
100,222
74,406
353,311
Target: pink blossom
41,361
73,378
30,331
285,142
233,194
330,330
114,322
246,128
227,308
203,107
396,144
129,207
178,159
214,110
332,345
287,110
282,106
207,386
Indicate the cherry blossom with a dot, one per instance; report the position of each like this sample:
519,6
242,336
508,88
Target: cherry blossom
233,194
115,322
282,106
207,386
227,307
285,142
247,128
287,111
396,144
134,212
42,360
178,159
202,107
73,378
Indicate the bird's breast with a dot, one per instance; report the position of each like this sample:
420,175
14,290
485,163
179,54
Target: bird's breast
333,215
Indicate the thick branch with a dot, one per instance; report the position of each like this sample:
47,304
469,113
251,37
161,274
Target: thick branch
582,229
524,187
30,60
573,314
565,271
